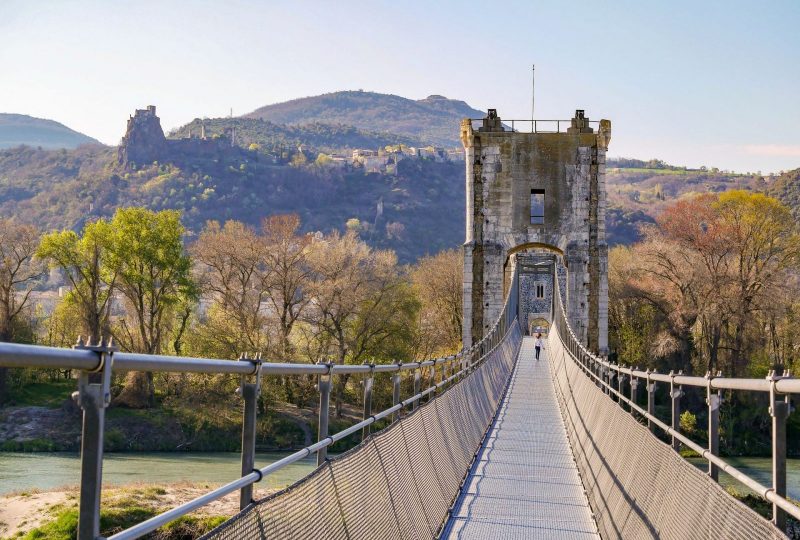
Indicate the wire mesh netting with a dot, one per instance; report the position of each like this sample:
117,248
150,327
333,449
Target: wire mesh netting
399,482
638,486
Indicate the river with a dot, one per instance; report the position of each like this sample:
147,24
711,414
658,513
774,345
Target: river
51,470
760,469
47,471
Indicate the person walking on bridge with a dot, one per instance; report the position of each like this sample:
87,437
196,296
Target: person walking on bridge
538,345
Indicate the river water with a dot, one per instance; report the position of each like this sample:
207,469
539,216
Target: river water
47,471
760,470
51,470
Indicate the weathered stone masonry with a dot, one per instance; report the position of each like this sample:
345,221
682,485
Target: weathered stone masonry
503,169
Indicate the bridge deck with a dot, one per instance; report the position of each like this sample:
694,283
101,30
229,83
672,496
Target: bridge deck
526,484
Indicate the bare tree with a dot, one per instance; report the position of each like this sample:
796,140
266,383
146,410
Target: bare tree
437,282
288,275
357,300
231,270
18,271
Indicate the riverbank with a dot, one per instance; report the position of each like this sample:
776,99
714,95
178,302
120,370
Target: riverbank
53,515
39,493
42,418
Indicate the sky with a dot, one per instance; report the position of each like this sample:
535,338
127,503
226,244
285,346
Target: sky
690,82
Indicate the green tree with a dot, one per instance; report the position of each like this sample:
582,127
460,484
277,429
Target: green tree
84,261
153,277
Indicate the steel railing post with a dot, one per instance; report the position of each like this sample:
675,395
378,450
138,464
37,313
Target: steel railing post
417,385
779,411
396,394
93,397
432,382
324,386
713,400
651,402
611,374
634,388
368,382
620,389
249,392
675,393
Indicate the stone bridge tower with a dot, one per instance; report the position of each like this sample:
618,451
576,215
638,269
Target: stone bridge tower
536,191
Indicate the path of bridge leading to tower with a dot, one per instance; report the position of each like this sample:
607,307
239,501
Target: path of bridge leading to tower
525,484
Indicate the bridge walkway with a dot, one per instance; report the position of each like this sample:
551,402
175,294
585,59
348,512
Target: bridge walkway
525,484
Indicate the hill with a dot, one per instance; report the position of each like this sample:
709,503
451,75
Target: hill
637,191
416,211
415,207
786,188
271,137
20,129
434,120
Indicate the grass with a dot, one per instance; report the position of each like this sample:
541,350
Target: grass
33,445
124,508
42,394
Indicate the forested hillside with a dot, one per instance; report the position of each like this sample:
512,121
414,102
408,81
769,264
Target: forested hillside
422,205
434,119
638,191
275,137
786,188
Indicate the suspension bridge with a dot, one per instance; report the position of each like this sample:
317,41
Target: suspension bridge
491,442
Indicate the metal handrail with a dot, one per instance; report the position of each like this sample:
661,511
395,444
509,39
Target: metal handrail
155,522
97,362
15,355
589,363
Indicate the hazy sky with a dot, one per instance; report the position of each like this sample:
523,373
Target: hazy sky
692,82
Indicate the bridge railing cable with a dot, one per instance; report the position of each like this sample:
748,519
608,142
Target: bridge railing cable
95,363
611,377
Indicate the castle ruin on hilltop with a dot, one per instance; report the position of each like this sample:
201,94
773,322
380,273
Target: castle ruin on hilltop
144,141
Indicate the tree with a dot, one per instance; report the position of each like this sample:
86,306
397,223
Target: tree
764,245
715,268
84,261
231,270
357,302
437,281
19,269
288,275
695,228
153,278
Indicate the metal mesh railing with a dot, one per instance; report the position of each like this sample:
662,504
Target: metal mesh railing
638,486
399,482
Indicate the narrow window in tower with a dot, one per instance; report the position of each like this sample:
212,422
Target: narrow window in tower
537,207
539,290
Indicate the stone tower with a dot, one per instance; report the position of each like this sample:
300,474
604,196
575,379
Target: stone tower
542,191
144,140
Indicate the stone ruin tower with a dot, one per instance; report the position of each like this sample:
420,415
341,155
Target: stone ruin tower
536,192
144,140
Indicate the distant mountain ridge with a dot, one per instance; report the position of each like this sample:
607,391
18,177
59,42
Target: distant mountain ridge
435,119
21,129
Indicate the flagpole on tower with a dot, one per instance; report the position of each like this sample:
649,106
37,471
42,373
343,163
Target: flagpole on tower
533,89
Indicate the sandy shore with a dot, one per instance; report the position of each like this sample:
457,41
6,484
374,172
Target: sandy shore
23,511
